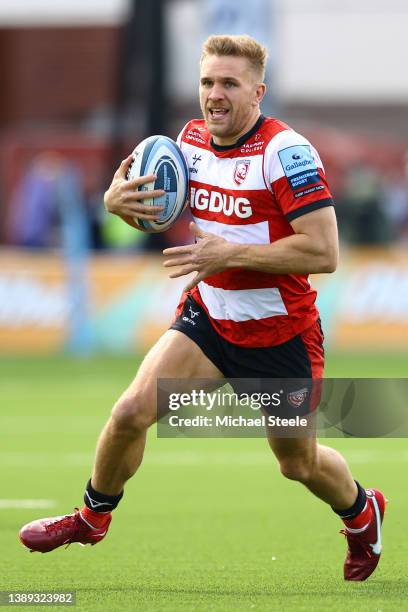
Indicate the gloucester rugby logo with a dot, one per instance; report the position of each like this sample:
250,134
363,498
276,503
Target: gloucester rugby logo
241,171
296,398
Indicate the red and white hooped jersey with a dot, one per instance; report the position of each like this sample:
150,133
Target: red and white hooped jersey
248,193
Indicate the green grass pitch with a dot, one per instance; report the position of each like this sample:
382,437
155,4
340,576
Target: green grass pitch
205,525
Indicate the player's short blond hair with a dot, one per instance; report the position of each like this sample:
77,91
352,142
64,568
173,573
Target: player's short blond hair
237,46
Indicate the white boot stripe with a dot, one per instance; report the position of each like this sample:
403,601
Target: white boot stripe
377,547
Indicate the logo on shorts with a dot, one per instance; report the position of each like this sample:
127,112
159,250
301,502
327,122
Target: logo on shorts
192,313
241,171
296,398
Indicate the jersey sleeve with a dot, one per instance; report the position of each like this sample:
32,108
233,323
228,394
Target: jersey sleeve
181,134
294,172
179,137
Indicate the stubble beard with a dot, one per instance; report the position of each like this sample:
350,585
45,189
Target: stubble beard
221,131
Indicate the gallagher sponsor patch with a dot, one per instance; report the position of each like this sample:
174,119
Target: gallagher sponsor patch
299,166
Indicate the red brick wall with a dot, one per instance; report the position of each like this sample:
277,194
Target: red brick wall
56,73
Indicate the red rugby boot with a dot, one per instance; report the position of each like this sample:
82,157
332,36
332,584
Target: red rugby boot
47,534
364,547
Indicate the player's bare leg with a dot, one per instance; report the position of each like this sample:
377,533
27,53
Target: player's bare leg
326,474
320,468
121,445
122,441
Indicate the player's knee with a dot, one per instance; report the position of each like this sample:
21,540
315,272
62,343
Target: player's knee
131,414
300,467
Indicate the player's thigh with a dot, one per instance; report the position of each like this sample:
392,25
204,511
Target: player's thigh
174,355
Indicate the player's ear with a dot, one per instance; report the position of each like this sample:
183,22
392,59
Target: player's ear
260,92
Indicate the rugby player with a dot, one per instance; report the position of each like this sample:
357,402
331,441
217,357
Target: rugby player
263,221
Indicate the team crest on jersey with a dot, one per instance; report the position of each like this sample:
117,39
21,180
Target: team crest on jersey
241,171
296,398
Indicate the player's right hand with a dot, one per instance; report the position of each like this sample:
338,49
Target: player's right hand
123,198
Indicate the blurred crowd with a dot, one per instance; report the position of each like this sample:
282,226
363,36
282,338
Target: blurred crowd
51,206
373,208
77,95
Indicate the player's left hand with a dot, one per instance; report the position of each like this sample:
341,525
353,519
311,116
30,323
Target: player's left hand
207,256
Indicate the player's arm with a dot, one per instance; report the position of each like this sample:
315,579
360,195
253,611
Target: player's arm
301,192
313,248
123,199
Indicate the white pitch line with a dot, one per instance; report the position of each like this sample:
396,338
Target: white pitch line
18,504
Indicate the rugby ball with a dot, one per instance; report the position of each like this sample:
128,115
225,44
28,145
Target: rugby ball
163,157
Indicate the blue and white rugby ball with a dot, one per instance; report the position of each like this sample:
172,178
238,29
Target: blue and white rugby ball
163,157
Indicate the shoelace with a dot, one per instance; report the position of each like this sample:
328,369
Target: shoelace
62,523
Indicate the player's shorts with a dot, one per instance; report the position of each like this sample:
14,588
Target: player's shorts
301,357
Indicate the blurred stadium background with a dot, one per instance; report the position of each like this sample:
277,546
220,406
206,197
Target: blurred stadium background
82,84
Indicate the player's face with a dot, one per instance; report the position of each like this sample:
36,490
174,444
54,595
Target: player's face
229,97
